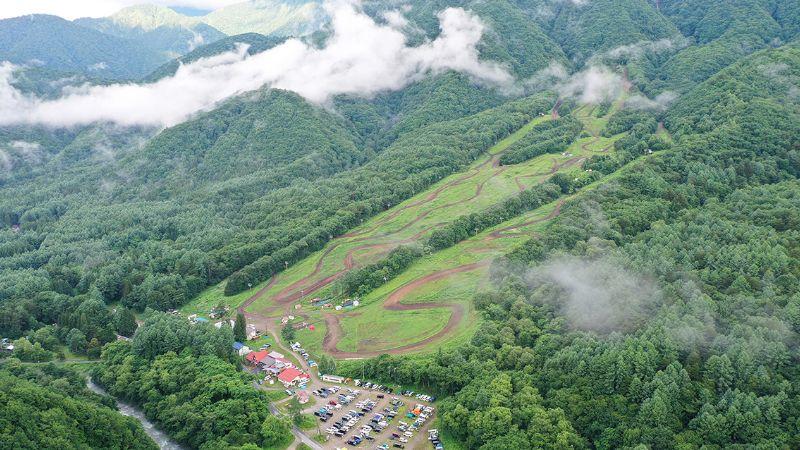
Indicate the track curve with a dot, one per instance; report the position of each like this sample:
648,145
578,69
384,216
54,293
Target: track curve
394,303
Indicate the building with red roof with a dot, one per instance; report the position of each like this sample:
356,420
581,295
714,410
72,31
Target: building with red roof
256,357
291,376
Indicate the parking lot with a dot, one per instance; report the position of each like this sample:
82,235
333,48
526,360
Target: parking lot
371,418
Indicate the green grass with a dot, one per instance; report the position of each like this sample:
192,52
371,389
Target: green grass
394,329
214,296
275,395
306,422
370,327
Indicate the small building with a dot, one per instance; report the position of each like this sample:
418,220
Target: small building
241,349
333,379
280,363
276,355
255,358
251,332
267,363
290,376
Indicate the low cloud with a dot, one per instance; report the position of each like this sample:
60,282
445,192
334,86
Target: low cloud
660,103
360,58
597,295
594,85
640,48
19,151
6,164
99,66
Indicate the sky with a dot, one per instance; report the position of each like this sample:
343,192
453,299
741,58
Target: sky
73,9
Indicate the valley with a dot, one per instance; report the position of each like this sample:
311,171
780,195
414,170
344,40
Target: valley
461,225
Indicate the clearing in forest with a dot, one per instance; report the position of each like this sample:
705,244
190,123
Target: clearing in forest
431,302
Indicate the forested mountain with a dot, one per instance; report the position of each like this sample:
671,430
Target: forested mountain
724,32
583,29
55,43
157,28
271,17
656,307
256,43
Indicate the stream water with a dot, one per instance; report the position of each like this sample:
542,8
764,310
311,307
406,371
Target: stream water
160,438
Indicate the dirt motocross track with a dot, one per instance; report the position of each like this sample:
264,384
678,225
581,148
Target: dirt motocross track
393,302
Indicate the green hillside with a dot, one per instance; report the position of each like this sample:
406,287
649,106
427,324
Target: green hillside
156,28
50,406
57,44
724,32
602,254
268,17
695,254
586,28
255,42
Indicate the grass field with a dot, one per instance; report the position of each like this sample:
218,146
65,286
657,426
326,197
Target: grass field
425,307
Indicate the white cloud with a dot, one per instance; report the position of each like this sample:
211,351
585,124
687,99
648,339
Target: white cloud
396,19
98,66
660,103
596,84
361,58
6,164
73,9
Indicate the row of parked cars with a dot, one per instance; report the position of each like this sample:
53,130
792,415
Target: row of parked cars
423,397
374,386
433,436
350,419
405,431
299,349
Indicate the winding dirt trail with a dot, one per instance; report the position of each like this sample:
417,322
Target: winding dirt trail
556,167
394,302
503,232
304,286
307,285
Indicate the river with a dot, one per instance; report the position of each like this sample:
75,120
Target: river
160,438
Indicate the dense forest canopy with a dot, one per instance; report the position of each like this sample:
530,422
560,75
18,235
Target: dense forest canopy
659,308
688,336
